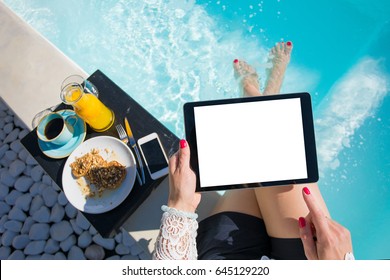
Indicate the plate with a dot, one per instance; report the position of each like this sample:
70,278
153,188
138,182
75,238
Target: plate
109,148
60,151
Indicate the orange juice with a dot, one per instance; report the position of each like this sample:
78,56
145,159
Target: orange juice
88,107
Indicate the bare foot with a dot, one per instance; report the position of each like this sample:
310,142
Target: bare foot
248,78
280,58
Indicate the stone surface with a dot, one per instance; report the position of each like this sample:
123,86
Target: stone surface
39,231
60,231
94,252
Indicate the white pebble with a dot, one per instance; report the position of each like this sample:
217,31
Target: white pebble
3,149
82,221
7,179
130,257
75,227
127,239
23,183
39,231
23,154
16,146
23,202
118,237
20,242
68,243
30,160
3,219
36,173
27,225
114,258
8,128
27,170
34,189
94,252
23,133
34,247
7,237
12,225
17,255
11,155
4,252
70,211
4,191
4,208
5,162
10,117
62,200
49,196
16,168
136,249
16,214
92,230
2,134
75,253
42,215
51,246
12,136
45,256
57,213
121,249
59,256
107,243
144,256
46,179
36,204
84,239
60,231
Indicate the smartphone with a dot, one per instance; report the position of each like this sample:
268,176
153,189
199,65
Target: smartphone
154,156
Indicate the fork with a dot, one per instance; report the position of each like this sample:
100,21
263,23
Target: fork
125,139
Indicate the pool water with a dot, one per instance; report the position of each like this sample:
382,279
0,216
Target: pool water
165,53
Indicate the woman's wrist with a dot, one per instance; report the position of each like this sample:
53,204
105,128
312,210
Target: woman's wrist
181,206
172,210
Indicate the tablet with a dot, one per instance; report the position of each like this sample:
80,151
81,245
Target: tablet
252,141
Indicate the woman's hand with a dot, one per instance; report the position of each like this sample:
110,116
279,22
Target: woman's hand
182,181
322,238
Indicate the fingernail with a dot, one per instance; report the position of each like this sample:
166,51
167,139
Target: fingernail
306,190
302,222
183,143
235,61
289,43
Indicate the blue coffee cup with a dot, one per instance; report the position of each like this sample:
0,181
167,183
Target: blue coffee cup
56,129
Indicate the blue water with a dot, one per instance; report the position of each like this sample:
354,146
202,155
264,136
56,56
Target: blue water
172,52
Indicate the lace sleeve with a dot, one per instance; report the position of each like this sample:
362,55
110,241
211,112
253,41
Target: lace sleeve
177,237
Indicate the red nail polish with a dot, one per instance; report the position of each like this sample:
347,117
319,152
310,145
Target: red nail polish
288,43
235,61
302,222
306,190
183,144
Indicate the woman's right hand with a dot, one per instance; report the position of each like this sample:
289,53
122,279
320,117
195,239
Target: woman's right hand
322,238
182,181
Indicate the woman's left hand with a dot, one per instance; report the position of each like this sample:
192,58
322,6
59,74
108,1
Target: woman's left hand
182,181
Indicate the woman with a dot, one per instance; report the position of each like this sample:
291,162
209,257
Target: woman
284,222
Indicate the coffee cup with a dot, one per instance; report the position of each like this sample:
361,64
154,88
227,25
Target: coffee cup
56,129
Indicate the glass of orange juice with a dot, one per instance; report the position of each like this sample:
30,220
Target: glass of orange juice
86,104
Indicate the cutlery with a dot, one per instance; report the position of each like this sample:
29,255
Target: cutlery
134,146
125,139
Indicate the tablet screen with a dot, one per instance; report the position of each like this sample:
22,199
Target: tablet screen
250,142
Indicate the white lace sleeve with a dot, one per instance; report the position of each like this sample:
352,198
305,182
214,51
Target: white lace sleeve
177,237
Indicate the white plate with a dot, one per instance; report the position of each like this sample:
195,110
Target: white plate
110,148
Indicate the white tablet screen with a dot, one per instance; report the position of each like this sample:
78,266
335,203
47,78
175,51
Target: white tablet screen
250,142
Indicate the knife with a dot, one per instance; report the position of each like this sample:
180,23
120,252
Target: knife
134,146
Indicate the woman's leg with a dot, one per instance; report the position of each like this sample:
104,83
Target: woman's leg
278,206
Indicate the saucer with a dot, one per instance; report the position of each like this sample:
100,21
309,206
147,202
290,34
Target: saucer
60,151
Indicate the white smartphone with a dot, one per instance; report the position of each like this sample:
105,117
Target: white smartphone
154,156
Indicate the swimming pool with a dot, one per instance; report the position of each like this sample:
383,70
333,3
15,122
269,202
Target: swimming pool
177,51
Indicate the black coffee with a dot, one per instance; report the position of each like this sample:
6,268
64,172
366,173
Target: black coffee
53,128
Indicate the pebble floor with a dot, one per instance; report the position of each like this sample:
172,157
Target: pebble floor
37,221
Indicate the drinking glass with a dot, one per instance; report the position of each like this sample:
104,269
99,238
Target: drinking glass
83,96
